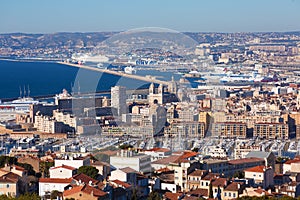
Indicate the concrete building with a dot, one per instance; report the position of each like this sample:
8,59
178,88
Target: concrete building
138,162
10,184
268,157
230,129
186,129
118,100
291,166
47,185
271,130
263,176
63,171
72,161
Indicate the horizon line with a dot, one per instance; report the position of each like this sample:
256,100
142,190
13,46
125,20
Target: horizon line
223,32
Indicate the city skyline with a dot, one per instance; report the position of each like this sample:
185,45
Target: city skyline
192,16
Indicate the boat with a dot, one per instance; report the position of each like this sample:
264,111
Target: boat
194,78
129,70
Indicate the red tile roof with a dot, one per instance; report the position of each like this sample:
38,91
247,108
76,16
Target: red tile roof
167,160
172,196
157,149
63,166
198,172
55,180
292,161
86,189
186,155
9,178
234,186
199,192
165,169
258,169
244,160
219,182
128,170
121,183
84,179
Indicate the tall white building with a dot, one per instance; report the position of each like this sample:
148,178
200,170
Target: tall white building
118,99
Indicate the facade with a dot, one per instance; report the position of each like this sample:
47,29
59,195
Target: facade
85,191
291,166
187,129
47,185
271,130
263,176
230,129
66,118
74,162
156,94
138,162
9,184
63,171
118,100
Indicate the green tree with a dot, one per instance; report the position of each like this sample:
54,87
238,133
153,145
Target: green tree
44,168
239,174
134,195
154,196
89,171
211,194
28,167
4,197
29,196
7,160
54,194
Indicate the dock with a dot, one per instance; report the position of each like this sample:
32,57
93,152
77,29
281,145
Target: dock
149,79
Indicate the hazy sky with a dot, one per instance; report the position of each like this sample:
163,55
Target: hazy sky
48,16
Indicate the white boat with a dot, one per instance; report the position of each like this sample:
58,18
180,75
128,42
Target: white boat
129,70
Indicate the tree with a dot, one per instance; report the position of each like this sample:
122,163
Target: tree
29,196
211,194
28,167
134,195
89,171
4,197
154,196
7,160
54,194
239,174
44,168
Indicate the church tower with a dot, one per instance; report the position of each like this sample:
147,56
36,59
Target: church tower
155,96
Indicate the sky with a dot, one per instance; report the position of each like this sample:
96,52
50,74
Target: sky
50,16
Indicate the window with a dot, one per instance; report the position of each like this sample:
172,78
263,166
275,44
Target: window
216,190
225,194
229,194
202,184
206,183
7,185
233,194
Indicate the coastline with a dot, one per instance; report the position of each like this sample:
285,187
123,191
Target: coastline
116,73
